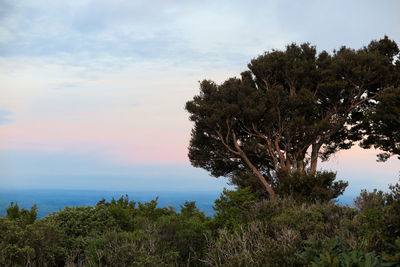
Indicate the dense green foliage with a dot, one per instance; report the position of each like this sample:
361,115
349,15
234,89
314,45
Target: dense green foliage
293,107
247,230
383,124
309,187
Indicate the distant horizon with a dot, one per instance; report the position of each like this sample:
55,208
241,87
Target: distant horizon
52,200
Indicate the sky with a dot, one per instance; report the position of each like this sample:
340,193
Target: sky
92,93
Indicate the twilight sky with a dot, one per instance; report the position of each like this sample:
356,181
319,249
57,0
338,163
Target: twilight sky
92,92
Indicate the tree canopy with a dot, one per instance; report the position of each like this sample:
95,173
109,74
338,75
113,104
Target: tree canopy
294,106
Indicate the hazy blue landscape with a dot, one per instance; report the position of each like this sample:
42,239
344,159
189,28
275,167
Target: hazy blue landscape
49,201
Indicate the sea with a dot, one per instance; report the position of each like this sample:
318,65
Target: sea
52,200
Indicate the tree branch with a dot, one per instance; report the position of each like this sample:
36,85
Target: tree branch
266,185
226,145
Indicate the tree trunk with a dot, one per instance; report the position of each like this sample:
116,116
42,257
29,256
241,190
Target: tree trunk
288,162
266,185
280,154
272,154
314,157
300,165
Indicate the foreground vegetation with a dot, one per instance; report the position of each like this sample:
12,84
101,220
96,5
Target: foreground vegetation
246,230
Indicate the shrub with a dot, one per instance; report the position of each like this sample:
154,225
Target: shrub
232,208
84,221
24,216
332,252
252,245
37,244
138,248
302,187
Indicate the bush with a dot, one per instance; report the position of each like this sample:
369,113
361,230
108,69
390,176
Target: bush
24,216
332,252
252,245
379,219
391,218
84,221
138,248
232,208
310,188
37,244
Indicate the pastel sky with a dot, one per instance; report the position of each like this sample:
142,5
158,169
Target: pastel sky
92,93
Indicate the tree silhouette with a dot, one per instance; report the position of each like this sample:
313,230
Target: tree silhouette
290,108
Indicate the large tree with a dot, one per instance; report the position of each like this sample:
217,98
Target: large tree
290,108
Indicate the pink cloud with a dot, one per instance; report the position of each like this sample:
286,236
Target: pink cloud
117,143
